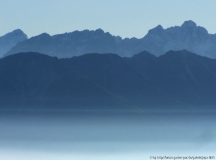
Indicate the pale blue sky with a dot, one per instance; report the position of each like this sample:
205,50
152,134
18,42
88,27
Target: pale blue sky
126,18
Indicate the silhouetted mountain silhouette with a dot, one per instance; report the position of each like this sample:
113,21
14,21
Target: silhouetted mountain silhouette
158,41
175,79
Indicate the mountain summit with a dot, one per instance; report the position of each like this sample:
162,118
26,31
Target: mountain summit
189,24
188,36
158,41
9,40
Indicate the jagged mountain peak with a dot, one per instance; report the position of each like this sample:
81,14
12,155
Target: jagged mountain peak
99,31
43,35
157,30
159,27
10,39
16,32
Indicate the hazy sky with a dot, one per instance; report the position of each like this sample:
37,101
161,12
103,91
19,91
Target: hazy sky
126,18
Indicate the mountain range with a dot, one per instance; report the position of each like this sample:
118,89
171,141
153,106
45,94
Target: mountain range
158,41
177,80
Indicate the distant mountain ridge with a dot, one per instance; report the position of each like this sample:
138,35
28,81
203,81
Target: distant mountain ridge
158,41
9,40
188,36
175,80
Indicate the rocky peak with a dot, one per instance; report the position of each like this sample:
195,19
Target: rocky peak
16,33
10,39
189,28
41,36
19,32
157,30
189,24
99,31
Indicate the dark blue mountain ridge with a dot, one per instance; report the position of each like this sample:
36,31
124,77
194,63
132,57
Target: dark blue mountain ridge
175,80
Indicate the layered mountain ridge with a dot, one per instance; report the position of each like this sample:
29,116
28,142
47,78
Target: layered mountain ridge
158,41
175,80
